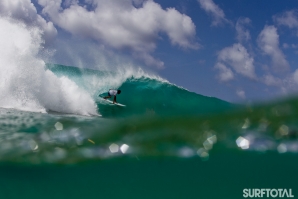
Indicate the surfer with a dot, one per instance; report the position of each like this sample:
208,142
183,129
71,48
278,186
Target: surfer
111,93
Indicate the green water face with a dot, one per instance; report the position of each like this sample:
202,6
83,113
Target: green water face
225,175
146,96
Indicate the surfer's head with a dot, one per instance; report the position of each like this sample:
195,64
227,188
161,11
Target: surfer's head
119,91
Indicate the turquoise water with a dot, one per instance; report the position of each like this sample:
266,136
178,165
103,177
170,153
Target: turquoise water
166,143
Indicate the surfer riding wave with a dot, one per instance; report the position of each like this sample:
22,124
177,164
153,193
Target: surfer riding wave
111,93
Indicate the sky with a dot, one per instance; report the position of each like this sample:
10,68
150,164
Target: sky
235,50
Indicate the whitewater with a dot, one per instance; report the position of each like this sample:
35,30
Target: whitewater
26,84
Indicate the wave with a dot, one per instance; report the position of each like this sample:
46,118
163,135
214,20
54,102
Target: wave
25,83
143,94
153,97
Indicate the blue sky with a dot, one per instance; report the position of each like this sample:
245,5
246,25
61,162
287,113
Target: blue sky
196,68
236,50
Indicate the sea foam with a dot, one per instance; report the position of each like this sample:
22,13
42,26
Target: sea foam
25,84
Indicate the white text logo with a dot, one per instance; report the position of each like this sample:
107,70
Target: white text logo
269,193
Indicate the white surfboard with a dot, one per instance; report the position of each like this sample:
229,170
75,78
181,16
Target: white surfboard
117,104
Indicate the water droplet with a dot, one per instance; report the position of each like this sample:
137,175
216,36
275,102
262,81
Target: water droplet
282,148
124,148
246,124
114,148
59,126
242,143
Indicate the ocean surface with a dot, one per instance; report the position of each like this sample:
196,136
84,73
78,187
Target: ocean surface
60,139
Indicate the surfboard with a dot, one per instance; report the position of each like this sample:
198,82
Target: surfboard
117,104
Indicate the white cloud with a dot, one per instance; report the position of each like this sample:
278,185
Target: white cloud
121,25
238,58
138,2
287,18
241,93
24,11
287,84
243,34
268,41
217,14
270,80
285,46
225,73
149,60
295,76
